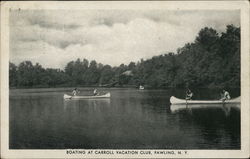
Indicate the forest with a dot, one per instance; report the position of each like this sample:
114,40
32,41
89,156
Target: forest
212,60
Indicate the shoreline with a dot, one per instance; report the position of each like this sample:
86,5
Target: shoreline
120,87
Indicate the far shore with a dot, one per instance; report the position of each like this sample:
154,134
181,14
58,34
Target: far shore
132,87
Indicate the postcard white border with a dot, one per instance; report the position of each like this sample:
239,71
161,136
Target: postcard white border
243,6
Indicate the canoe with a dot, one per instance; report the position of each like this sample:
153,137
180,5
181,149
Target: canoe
66,96
141,88
174,100
226,107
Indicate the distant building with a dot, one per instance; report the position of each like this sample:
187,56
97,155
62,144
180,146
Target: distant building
128,73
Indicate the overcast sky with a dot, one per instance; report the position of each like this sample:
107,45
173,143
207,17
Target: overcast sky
53,38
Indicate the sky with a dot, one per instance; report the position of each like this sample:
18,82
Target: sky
53,38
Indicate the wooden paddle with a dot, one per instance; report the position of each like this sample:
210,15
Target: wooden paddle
186,101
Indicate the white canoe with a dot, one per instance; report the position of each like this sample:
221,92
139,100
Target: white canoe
174,100
141,88
225,107
66,96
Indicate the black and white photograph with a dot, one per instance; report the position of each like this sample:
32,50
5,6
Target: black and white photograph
126,81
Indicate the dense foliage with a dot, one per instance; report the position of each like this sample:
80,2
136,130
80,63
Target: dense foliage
212,60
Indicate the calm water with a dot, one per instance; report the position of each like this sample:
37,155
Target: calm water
130,119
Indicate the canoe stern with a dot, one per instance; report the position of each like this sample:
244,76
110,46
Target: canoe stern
174,100
107,95
65,96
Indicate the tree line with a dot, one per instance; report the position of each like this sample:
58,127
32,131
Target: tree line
212,60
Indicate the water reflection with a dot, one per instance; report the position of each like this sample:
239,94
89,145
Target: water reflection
130,119
212,124
226,107
86,102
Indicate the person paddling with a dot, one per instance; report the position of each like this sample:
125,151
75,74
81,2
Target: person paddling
189,94
225,95
75,91
95,92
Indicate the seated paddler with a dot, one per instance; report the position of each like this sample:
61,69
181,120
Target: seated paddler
225,95
75,91
189,94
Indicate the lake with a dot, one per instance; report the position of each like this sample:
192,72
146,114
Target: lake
130,119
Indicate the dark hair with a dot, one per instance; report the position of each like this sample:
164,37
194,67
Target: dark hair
188,91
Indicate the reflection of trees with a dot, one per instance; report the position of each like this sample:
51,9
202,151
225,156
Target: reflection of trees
49,121
217,128
33,120
155,101
86,105
86,109
130,119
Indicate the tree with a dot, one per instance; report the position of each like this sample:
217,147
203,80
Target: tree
106,75
211,60
25,74
12,75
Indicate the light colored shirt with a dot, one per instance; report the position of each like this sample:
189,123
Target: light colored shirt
95,91
226,95
74,92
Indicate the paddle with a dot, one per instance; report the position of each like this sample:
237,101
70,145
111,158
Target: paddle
223,101
186,101
187,96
